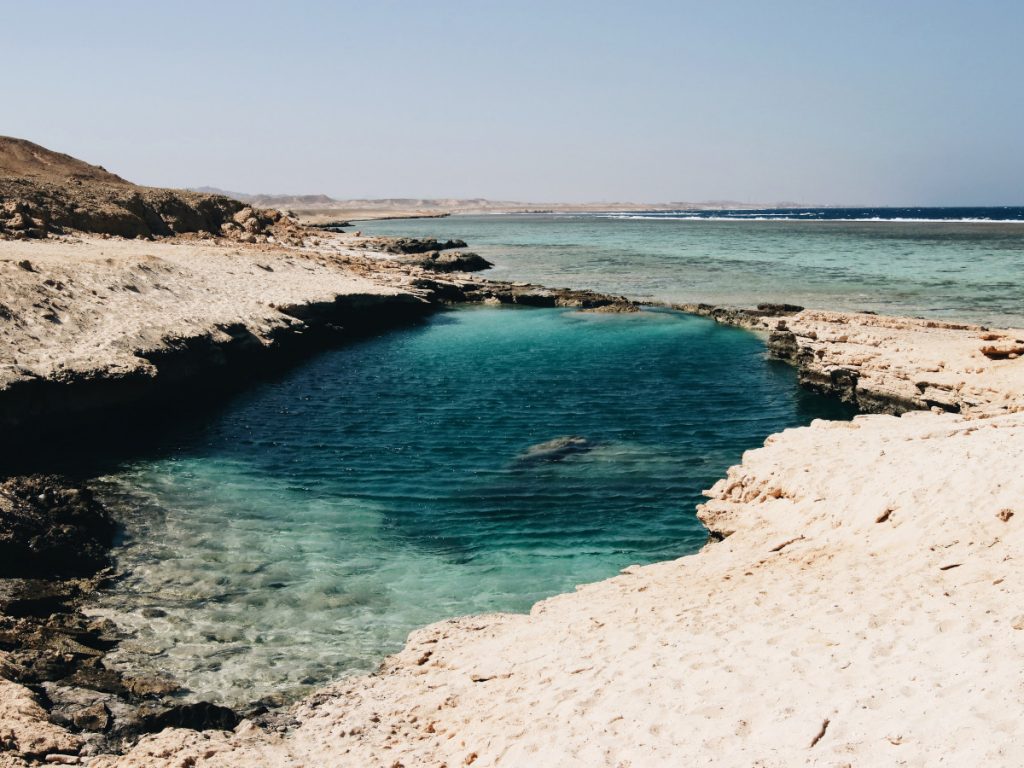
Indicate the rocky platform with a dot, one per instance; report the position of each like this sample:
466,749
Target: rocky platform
891,364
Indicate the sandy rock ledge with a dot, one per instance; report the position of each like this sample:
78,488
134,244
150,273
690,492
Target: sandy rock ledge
891,364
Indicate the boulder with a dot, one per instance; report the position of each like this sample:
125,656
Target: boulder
457,261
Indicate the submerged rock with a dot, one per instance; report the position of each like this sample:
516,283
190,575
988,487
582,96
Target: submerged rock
616,307
556,450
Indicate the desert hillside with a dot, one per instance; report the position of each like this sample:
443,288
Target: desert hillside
43,192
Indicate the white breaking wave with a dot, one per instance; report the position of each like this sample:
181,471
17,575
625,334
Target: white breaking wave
790,217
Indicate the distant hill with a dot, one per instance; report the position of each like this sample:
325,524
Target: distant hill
45,192
269,201
320,208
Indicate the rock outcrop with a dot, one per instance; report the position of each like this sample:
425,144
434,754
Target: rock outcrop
408,245
48,528
44,192
452,261
894,364
102,326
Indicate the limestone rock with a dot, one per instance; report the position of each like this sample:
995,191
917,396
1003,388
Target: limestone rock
24,727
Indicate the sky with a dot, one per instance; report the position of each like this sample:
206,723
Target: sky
825,102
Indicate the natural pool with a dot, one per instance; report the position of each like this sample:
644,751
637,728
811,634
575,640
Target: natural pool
301,531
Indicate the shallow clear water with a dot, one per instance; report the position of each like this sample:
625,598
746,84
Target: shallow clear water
307,527
961,270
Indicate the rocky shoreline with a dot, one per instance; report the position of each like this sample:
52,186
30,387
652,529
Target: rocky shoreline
291,303
55,543
890,365
65,369
860,607
55,538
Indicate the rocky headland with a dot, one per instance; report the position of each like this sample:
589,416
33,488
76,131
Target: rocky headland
43,192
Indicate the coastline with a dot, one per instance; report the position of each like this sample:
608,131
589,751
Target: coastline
546,670
195,319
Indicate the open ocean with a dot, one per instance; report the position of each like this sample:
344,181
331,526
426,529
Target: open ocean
301,531
957,263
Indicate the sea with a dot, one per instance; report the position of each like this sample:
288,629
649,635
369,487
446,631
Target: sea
299,531
954,263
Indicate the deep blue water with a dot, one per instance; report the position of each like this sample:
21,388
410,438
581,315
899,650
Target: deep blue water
306,528
962,214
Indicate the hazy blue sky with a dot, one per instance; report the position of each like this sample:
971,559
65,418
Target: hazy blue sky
830,102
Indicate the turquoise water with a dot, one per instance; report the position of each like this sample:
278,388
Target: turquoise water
959,270
307,527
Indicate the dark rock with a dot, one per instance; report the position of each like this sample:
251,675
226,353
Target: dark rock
773,310
409,245
49,528
441,291
200,716
150,687
741,318
782,344
95,717
458,261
